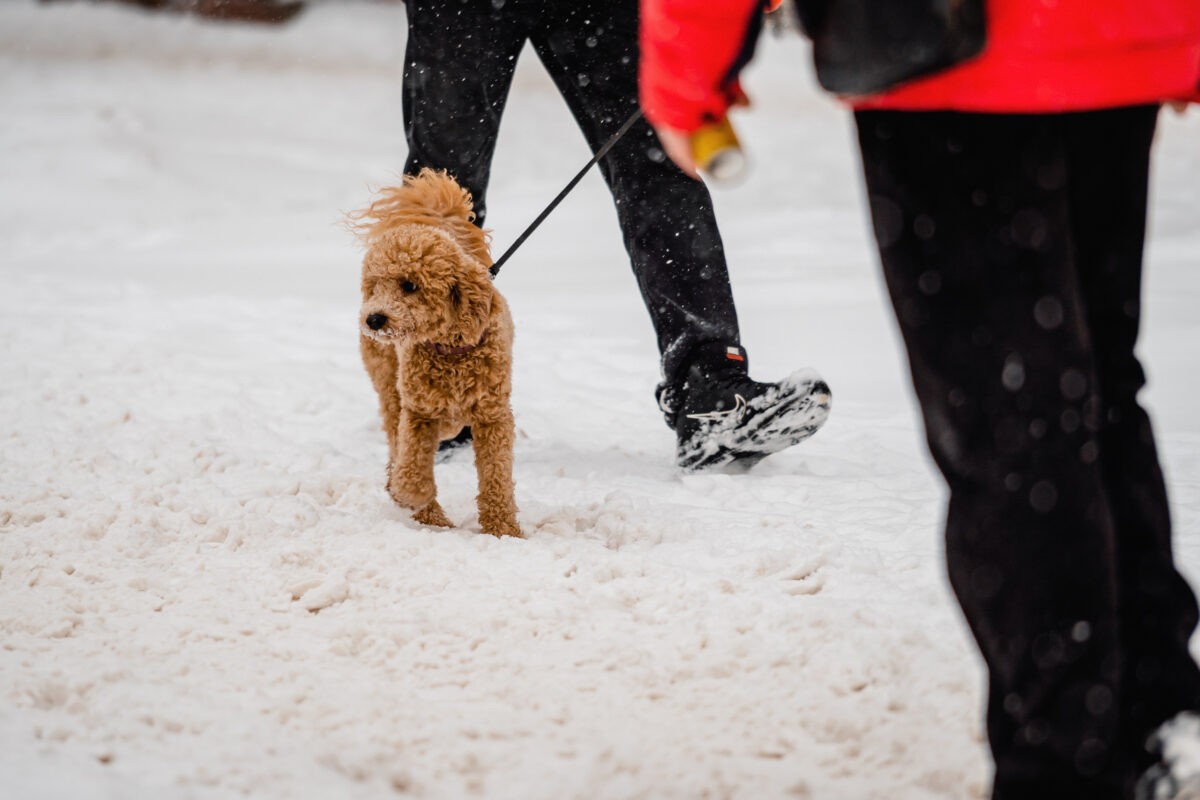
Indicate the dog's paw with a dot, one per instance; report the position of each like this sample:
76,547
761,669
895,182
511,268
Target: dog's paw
500,526
433,514
408,497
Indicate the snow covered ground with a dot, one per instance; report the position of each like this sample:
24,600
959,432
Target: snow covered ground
205,591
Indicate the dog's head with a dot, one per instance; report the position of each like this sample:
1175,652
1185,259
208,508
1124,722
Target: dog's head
425,275
419,284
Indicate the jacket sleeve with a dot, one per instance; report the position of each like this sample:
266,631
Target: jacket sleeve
691,53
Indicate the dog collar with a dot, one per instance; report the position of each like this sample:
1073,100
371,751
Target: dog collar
448,350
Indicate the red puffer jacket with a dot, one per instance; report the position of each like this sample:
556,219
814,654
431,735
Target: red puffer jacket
1040,57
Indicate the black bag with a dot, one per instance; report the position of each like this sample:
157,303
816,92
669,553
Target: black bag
863,47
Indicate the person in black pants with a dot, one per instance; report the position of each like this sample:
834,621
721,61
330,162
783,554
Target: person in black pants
1016,280
1006,150
459,64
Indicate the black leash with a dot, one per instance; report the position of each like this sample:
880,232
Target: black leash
495,268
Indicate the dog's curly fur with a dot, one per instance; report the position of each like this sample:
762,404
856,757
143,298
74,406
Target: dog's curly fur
438,346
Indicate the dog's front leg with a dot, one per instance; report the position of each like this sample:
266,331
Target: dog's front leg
381,363
411,481
494,464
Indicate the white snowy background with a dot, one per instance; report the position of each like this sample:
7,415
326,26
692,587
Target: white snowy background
206,593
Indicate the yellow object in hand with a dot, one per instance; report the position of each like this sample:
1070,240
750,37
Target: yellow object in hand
717,151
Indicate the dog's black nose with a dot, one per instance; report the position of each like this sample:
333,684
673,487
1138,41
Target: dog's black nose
376,321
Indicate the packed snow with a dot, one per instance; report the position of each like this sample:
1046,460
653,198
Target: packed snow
205,591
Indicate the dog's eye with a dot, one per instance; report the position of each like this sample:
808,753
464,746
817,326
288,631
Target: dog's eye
408,287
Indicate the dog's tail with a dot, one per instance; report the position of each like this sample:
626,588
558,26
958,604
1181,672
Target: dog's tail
428,198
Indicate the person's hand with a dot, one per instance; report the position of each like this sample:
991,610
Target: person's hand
678,147
678,144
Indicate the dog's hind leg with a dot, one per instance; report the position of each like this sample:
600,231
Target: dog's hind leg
411,481
494,464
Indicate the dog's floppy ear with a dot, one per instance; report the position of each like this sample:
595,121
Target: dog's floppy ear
471,304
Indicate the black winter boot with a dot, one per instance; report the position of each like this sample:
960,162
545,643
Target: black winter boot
448,448
721,416
1176,776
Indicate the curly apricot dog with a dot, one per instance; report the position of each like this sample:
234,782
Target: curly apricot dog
436,339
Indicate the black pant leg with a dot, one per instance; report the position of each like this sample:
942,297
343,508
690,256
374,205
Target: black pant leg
590,49
973,220
458,67
1109,168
